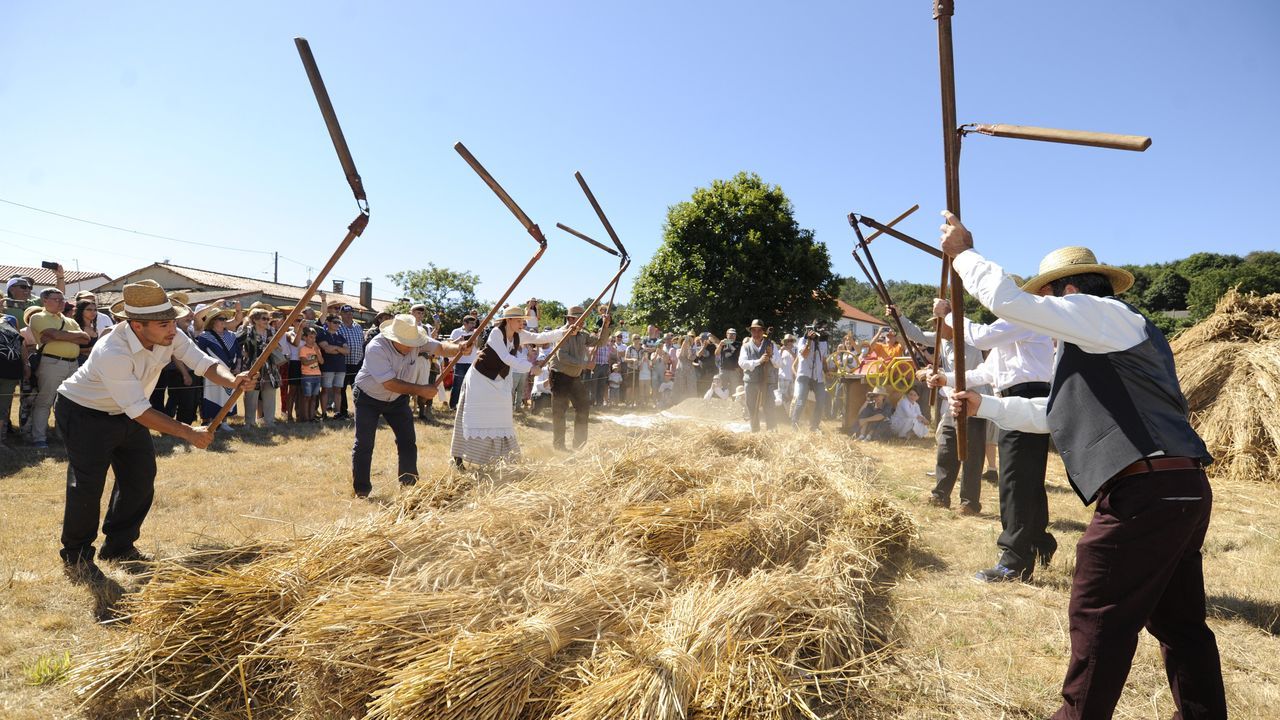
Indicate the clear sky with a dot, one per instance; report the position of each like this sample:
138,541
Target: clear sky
196,121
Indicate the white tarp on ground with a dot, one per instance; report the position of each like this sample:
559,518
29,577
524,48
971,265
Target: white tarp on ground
653,420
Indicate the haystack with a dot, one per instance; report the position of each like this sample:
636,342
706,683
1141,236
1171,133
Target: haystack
676,568
1229,368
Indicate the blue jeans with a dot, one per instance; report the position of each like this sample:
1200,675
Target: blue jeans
803,385
399,416
459,372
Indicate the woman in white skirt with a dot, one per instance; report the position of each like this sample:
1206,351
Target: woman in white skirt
484,430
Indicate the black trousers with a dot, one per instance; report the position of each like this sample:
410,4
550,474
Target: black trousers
1139,565
459,372
97,441
948,463
600,384
1024,504
399,416
566,390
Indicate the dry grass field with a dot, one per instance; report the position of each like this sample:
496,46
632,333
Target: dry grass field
962,650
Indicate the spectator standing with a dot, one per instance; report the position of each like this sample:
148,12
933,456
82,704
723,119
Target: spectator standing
13,367
218,342
58,342
309,361
686,375
86,316
786,364
704,358
728,354
102,320
18,296
333,364
188,387
459,336
520,380
600,372
353,333
811,376
253,339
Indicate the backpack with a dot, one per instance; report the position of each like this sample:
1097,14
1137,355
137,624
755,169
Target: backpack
10,353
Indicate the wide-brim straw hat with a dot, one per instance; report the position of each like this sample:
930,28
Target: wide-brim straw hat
265,306
26,314
756,324
146,300
404,329
575,311
209,313
788,338
878,391
515,312
1076,260
179,296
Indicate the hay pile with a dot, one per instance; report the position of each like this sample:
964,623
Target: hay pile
1229,368
685,573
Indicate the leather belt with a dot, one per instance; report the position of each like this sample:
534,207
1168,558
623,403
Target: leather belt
1024,387
1158,464
56,357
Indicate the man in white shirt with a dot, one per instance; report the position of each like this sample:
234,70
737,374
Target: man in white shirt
1119,421
786,370
106,418
1019,363
810,375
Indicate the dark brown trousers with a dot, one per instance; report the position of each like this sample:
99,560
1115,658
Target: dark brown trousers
1139,565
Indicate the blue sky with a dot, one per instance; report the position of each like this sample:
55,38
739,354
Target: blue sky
196,122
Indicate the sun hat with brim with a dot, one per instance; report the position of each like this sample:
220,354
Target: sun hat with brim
179,296
878,391
575,311
788,338
26,314
404,329
756,324
515,312
1075,260
146,300
265,306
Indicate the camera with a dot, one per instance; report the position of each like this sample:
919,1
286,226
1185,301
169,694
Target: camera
816,330
49,265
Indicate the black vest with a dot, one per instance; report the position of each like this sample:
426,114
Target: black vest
490,365
767,374
1107,411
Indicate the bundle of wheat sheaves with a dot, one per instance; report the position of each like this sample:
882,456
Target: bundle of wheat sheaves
682,573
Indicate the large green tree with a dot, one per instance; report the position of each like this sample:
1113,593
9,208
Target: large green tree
731,253
449,292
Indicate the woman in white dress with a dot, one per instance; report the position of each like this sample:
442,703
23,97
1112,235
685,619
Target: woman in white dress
484,430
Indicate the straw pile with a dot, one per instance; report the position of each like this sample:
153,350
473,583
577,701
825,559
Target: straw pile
1229,368
684,573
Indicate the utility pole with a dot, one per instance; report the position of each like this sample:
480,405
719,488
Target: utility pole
275,266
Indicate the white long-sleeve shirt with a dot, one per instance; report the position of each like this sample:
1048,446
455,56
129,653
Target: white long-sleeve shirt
120,373
1094,324
1015,355
813,366
518,363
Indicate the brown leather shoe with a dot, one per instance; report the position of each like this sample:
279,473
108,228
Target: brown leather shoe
970,510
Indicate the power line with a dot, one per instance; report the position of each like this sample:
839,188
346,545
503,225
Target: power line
75,245
134,232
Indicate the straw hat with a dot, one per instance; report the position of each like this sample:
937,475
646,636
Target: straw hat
404,329
26,314
1075,260
756,324
878,391
788,338
515,312
180,296
575,311
146,300
265,306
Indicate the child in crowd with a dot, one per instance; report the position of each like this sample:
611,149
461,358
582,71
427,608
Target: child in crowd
309,358
665,390
717,390
615,384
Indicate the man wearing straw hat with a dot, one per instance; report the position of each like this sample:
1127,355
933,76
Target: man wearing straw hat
386,379
759,375
1119,420
106,418
569,386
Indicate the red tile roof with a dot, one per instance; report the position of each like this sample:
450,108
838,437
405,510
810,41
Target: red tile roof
852,313
43,276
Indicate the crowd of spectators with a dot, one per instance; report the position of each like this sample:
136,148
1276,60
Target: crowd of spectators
306,379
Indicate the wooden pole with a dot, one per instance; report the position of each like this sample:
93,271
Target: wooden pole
354,230
577,325
892,222
942,13
1135,143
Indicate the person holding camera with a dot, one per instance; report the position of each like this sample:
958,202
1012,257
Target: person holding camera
812,351
760,376
727,355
